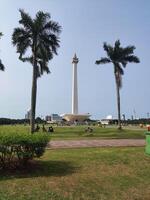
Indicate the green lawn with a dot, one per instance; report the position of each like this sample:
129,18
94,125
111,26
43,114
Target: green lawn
78,132
82,174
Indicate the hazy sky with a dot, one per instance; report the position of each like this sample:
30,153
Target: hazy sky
86,24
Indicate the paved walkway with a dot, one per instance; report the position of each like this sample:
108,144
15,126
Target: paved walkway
97,143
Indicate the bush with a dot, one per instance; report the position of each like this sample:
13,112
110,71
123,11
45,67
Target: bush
17,149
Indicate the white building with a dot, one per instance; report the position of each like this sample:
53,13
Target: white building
53,118
107,120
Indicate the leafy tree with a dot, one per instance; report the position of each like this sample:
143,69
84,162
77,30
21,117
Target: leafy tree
1,64
36,41
119,57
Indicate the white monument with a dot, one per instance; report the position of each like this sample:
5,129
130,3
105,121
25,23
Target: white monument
75,116
75,86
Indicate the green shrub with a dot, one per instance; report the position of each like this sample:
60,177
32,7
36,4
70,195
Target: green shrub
17,149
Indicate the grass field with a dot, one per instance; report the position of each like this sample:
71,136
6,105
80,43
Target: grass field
78,132
82,174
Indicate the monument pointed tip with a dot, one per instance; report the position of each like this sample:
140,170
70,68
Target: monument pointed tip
75,59
75,55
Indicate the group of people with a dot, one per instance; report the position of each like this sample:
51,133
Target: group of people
50,128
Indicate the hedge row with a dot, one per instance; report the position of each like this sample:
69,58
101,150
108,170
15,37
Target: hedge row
17,149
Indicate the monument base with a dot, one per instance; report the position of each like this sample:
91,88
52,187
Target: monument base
76,117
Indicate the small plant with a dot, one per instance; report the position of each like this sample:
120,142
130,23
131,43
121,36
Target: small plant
17,149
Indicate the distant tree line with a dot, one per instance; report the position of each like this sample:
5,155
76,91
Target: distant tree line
8,121
138,121
143,121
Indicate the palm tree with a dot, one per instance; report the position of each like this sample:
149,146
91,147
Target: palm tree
39,37
119,57
1,65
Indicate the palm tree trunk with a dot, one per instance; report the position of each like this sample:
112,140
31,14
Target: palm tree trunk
118,103
33,97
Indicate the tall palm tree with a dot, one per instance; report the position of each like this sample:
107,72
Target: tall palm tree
39,38
119,57
1,65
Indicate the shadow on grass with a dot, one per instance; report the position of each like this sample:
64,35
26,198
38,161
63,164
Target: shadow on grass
40,169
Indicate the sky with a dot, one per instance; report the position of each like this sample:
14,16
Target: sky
85,25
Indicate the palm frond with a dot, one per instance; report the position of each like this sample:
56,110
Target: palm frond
26,20
1,34
103,61
109,50
43,67
128,50
54,41
117,52
132,59
2,68
26,59
117,44
40,20
21,38
52,26
19,35
50,42
43,17
44,52
124,63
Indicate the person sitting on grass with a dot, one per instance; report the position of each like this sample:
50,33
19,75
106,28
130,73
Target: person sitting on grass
88,129
50,129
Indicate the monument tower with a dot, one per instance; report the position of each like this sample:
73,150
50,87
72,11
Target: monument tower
75,116
75,86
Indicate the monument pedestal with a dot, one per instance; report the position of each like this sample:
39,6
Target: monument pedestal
76,117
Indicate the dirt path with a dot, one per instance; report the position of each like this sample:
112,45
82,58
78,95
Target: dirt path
97,143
